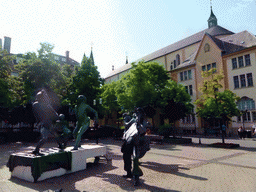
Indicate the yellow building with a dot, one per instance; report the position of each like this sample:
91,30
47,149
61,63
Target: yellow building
215,47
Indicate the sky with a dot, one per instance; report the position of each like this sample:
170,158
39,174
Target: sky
115,29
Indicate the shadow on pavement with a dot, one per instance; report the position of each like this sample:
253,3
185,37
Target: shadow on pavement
169,168
127,184
67,182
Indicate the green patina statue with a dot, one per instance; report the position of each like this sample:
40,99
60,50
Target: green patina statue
83,120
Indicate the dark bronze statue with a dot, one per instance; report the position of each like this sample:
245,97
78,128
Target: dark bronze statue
45,116
135,143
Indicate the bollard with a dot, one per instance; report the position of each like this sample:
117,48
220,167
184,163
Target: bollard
200,140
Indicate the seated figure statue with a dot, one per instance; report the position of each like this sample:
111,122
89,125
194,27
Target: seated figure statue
83,121
62,132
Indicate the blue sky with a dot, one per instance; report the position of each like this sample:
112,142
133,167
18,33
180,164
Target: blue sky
115,27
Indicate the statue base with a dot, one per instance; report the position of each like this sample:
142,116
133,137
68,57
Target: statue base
52,162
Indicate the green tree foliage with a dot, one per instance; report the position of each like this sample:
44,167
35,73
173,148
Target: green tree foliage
142,85
148,85
39,71
178,101
86,81
213,103
7,88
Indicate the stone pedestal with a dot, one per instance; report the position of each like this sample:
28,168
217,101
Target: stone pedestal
52,162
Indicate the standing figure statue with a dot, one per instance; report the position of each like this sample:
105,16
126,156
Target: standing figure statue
83,121
45,116
135,143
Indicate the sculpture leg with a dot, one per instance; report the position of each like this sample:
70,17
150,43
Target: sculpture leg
81,131
127,157
45,133
137,172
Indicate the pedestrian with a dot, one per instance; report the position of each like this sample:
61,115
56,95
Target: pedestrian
241,132
254,129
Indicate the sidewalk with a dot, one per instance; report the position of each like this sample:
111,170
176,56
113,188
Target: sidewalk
166,168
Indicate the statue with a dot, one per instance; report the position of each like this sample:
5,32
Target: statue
62,132
135,143
83,121
45,116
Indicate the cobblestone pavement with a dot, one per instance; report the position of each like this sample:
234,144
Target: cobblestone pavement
166,167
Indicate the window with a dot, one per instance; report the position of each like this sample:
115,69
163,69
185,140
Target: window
178,59
174,64
242,81
236,82
185,75
234,63
254,116
214,66
181,76
247,60
246,116
249,79
208,67
241,61
190,90
186,88
246,104
189,74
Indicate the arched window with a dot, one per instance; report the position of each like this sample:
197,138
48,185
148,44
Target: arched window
178,59
246,104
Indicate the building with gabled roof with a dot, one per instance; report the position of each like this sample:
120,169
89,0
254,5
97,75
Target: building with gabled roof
215,47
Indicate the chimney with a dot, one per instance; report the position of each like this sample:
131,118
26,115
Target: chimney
126,60
7,44
67,56
113,68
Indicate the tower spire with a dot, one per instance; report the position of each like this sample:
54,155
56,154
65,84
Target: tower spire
212,21
126,58
91,56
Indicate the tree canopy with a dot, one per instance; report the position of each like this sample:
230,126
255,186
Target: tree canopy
7,82
148,85
213,103
86,81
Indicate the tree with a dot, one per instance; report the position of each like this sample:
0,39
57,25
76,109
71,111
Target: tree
142,86
148,85
7,88
214,104
178,101
40,70
86,81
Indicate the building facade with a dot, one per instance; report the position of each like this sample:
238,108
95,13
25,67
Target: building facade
233,54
